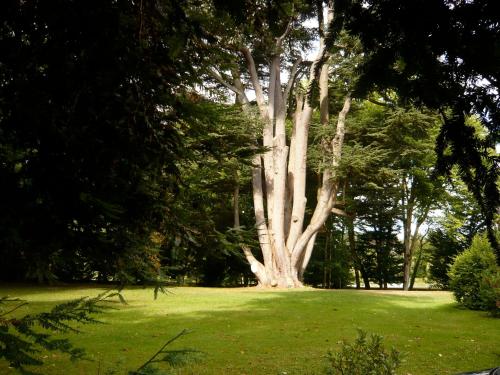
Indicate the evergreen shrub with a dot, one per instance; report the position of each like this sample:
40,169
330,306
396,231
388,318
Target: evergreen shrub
475,277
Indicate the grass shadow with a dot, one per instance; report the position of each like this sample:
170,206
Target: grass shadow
249,331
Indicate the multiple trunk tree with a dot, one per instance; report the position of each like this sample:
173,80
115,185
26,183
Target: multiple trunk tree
257,59
279,173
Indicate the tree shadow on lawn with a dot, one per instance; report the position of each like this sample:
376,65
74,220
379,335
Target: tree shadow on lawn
293,330
58,291
270,332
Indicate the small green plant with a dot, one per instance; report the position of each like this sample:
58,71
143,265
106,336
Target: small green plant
366,356
474,276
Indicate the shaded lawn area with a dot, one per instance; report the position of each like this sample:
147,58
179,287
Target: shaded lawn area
250,331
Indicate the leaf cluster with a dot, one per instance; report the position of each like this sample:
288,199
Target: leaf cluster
22,339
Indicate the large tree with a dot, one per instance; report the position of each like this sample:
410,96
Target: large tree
255,55
410,136
388,157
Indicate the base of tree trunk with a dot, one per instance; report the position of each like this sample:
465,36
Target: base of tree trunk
281,284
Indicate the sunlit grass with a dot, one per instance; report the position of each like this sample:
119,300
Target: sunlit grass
249,331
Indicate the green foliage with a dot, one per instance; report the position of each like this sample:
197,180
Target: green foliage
489,291
330,264
366,356
256,25
104,147
388,161
22,339
444,55
444,249
88,136
453,232
474,276
220,142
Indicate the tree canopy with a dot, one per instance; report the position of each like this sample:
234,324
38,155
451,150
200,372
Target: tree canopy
445,55
88,133
130,143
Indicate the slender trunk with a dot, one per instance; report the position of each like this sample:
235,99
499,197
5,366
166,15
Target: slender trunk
407,220
419,257
265,275
366,279
356,278
415,268
325,261
236,201
411,239
307,256
330,266
358,266
293,166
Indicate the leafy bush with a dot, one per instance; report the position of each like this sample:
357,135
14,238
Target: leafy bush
489,291
366,356
474,276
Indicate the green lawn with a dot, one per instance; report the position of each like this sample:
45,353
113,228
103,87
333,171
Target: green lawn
249,331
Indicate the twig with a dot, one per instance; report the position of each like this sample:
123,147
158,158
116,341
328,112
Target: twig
14,309
182,333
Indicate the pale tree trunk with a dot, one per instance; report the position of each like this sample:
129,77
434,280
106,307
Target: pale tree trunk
407,220
236,201
326,196
302,242
410,239
418,260
279,174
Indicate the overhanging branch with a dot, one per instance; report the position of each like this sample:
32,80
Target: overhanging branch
222,81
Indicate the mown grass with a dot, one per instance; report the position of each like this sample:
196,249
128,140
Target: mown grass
249,331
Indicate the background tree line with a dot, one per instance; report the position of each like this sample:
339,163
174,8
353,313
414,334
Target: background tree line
115,166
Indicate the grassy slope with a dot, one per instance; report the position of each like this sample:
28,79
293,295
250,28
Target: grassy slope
248,331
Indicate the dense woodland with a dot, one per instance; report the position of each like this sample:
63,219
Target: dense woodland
329,143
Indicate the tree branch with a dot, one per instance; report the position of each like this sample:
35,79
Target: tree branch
222,81
374,101
279,41
254,77
152,359
339,212
291,79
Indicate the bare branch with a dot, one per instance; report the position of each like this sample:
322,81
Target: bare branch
279,41
12,310
374,101
222,81
293,76
339,212
259,95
